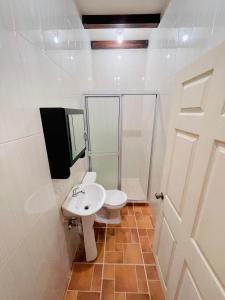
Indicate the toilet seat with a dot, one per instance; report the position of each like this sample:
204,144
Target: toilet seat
115,199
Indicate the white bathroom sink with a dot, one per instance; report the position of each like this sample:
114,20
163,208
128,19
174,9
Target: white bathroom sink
87,200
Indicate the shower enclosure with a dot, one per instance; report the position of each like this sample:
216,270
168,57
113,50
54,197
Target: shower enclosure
120,131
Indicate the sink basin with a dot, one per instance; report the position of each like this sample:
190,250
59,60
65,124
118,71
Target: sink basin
89,199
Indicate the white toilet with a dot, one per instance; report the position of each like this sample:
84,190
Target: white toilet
114,201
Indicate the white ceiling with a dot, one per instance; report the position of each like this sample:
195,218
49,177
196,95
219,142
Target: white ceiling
120,6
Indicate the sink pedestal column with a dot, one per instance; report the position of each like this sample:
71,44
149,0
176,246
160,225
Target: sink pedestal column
89,237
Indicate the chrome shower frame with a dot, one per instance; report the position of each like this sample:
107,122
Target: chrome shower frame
120,123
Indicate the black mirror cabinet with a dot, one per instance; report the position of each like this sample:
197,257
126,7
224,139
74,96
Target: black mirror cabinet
64,133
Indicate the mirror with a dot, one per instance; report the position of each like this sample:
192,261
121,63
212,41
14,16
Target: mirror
76,127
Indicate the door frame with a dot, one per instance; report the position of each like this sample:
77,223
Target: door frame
120,95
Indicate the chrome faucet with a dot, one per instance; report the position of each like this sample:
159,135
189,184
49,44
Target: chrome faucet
76,192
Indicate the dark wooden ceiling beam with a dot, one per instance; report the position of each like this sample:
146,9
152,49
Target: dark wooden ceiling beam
121,21
129,44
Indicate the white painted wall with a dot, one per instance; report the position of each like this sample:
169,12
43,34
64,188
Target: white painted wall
45,61
188,29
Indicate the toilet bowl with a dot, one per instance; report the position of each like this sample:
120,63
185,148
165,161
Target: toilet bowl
114,201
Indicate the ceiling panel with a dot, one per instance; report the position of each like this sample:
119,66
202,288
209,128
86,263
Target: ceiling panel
120,6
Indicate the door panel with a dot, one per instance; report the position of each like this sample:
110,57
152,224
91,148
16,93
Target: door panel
180,168
188,289
207,230
166,247
194,185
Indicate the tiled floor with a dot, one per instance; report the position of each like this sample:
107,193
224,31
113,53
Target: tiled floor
125,266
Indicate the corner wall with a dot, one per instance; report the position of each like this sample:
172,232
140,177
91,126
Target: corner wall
45,60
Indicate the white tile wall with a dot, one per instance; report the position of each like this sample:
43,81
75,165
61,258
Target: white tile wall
119,69
45,60
187,29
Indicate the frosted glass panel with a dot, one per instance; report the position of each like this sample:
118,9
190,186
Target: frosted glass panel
106,168
103,117
138,117
103,123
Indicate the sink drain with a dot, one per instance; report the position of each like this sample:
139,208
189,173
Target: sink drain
86,207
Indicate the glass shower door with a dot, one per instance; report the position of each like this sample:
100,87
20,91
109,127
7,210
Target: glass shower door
103,117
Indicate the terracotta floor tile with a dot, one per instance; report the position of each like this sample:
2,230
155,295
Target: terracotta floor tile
122,275
146,210
142,232
137,296
137,209
110,239
140,273
138,215
150,233
115,225
156,290
110,243
119,247
100,249
111,232
134,236
80,254
148,258
108,289
128,221
151,273
114,257
125,278
97,278
132,254
144,222
124,211
96,233
142,286
120,296
109,272
71,295
88,296
142,280
123,235
81,277
145,244
101,235
130,210
96,224
118,235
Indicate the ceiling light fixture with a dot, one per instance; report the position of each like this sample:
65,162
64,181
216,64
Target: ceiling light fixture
120,38
56,39
185,37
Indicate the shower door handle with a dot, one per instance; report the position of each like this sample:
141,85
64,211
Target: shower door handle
159,196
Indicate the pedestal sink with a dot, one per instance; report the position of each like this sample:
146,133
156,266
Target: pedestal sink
84,201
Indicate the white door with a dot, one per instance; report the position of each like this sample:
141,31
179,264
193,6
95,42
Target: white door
190,237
